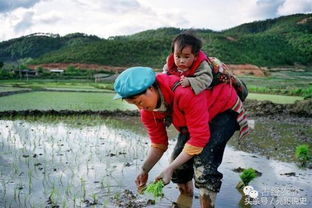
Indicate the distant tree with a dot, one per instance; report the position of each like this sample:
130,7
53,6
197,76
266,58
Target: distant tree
1,64
40,70
23,67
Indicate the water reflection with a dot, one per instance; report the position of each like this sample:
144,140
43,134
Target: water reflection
72,160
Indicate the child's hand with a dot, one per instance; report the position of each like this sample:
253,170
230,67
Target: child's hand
184,81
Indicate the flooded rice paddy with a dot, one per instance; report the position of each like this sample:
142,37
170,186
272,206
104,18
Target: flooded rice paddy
89,161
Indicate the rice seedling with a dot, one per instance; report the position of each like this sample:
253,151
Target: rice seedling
52,197
15,169
248,175
61,181
29,181
3,182
19,190
64,204
25,200
83,188
303,154
68,190
155,188
74,200
94,198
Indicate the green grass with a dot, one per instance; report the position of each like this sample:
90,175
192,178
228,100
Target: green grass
56,84
294,83
62,101
281,83
276,88
281,99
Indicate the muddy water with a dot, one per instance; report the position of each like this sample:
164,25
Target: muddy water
85,161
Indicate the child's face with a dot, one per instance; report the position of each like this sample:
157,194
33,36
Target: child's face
183,59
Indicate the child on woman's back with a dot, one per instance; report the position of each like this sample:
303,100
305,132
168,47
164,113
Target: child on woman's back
194,69
189,62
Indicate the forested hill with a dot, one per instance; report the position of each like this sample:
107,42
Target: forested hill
38,44
275,42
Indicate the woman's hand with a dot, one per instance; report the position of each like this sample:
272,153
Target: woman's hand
165,175
154,154
141,180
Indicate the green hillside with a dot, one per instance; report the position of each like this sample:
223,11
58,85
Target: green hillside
282,41
284,24
112,52
37,44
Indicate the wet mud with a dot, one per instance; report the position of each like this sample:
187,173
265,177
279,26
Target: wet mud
267,108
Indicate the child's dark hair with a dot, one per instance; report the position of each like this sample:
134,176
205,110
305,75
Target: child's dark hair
187,38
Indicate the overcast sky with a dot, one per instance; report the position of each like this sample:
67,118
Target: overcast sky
106,18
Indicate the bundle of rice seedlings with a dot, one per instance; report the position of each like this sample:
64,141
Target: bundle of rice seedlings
155,188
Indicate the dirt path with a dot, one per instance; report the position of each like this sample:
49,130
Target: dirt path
14,92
